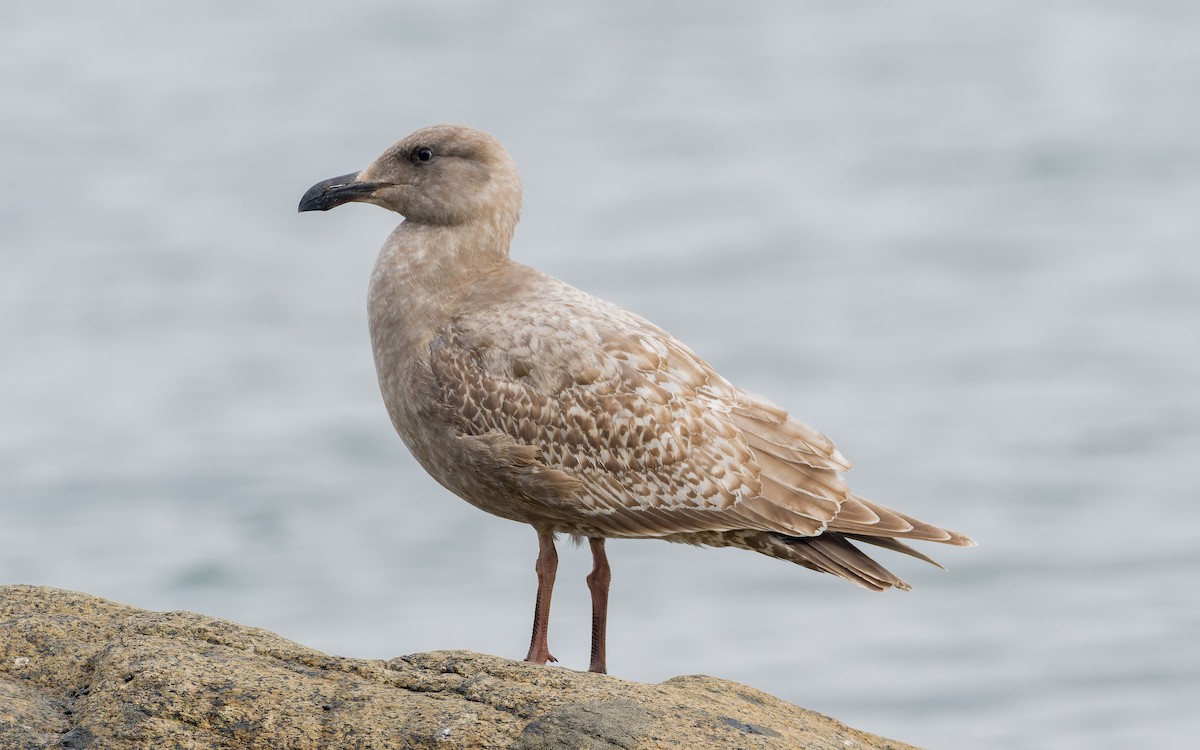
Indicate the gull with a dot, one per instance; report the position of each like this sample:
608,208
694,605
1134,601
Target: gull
542,404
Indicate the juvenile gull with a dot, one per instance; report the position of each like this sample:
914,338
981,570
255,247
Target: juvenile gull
545,405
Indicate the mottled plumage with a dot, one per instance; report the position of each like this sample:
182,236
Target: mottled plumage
543,404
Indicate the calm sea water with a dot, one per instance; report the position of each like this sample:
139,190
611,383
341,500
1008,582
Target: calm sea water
961,239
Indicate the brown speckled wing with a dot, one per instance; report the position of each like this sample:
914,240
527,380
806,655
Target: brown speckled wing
660,442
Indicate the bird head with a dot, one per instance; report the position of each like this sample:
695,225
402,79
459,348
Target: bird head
439,175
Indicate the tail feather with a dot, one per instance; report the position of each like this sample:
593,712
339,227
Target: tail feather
829,553
895,545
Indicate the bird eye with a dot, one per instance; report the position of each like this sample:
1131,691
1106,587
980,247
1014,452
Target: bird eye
424,153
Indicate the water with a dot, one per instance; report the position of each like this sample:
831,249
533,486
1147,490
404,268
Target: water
961,240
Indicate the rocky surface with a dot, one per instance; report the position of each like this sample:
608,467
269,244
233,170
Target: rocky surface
77,671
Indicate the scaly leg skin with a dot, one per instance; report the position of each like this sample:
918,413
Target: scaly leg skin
598,581
546,567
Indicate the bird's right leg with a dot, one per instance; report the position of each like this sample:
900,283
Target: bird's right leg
546,567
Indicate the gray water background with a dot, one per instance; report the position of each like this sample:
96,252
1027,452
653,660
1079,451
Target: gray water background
960,238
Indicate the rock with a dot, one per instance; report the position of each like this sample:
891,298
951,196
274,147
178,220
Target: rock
77,671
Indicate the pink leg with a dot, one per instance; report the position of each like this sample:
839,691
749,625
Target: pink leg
597,582
547,565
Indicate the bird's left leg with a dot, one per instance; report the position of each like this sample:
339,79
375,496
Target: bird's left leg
598,581
546,567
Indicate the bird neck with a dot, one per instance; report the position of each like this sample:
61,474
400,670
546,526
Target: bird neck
437,256
423,270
